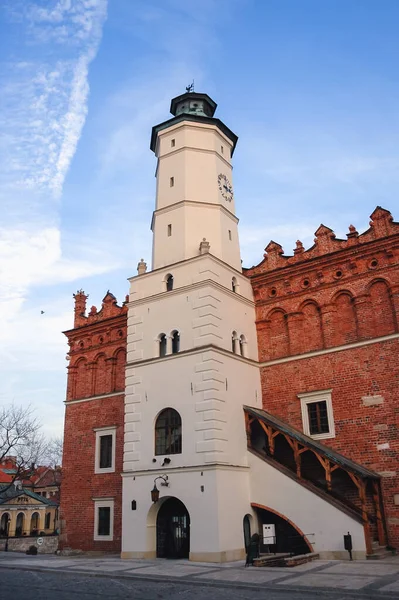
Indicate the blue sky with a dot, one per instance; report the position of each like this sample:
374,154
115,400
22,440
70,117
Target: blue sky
309,86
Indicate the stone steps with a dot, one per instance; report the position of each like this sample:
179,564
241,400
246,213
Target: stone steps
379,553
284,559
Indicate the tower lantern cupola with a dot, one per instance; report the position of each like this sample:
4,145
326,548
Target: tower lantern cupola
193,106
193,103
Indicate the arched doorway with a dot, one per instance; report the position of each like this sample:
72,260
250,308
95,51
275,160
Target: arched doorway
173,530
34,524
4,524
288,537
247,531
19,528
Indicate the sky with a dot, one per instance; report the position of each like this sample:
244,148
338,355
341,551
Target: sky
310,87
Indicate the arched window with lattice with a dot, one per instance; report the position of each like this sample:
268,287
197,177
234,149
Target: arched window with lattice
168,432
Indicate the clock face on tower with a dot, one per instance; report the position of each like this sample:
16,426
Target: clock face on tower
225,187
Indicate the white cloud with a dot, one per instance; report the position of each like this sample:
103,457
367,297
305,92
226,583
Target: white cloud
43,108
44,104
33,257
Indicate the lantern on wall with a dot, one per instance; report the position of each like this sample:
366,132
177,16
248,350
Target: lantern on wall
155,490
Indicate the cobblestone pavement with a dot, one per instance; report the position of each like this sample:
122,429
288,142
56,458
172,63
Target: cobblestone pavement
335,579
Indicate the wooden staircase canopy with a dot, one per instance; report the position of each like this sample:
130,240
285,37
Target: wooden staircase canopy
321,449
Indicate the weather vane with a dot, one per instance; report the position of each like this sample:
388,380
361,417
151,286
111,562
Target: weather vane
190,88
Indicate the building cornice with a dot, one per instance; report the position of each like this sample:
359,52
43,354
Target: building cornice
199,257
207,122
324,351
192,286
91,398
190,352
195,203
184,469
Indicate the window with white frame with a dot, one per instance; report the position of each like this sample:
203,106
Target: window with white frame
105,450
104,519
317,414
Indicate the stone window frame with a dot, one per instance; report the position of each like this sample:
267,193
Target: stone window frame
103,503
100,432
311,398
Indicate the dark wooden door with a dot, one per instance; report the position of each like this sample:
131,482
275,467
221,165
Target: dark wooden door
173,530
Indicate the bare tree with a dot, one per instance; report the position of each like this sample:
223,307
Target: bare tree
52,456
20,438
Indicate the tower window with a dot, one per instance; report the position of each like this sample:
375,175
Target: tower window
234,284
175,342
173,143
243,345
168,433
162,345
169,229
234,341
169,283
221,149
230,234
172,181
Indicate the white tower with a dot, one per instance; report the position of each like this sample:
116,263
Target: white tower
192,353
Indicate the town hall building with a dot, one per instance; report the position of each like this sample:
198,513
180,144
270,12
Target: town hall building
216,401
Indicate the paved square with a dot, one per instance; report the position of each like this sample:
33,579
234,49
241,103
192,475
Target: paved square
391,587
370,568
350,582
245,575
99,567
169,570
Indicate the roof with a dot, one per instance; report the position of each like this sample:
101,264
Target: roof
40,476
187,117
338,458
11,492
48,477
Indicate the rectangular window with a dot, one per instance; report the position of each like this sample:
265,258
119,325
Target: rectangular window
103,519
229,234
318,418
173,143
105,450
221,149
317,414
172,182
169,230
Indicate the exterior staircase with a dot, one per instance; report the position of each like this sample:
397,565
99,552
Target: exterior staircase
380,552
352,488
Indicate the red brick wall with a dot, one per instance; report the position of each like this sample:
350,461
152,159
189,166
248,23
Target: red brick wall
80,484
97,368
336,293
351,374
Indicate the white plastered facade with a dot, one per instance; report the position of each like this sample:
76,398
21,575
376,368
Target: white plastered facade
206,382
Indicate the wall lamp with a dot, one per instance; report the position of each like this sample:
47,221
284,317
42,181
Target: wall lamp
155,490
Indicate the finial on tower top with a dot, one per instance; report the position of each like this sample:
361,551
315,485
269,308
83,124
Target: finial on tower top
190,88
